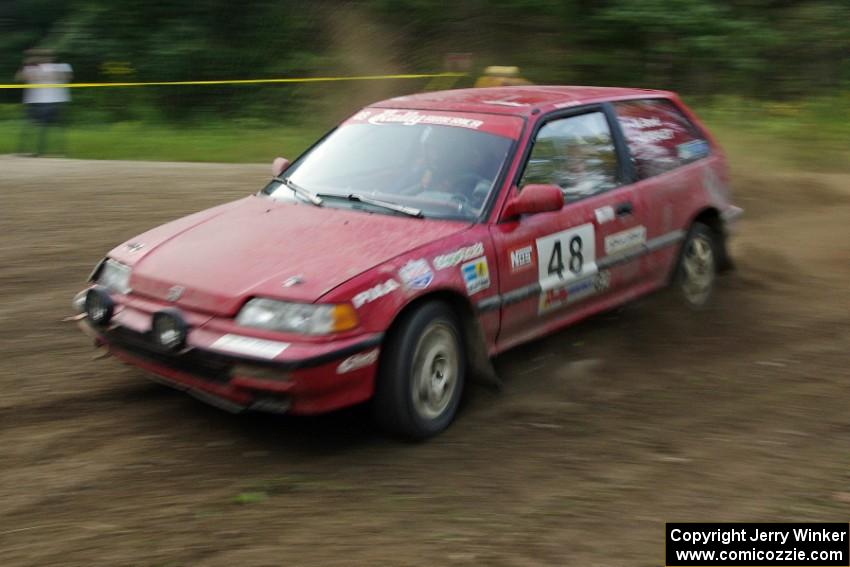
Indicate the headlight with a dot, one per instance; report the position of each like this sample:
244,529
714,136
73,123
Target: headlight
114,276
303,318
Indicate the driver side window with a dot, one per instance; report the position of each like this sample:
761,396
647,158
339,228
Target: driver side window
575,153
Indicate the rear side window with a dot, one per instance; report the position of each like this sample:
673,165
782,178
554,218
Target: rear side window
659,136
575,153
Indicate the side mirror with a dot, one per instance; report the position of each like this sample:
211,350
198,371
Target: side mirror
279,165
534,199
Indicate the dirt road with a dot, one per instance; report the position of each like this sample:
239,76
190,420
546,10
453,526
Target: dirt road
602,432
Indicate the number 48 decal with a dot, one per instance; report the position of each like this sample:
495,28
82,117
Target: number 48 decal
576,261
566,256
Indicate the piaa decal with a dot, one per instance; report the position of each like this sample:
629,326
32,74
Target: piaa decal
374,293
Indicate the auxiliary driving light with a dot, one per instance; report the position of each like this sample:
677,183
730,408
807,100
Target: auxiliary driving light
169,329
99,307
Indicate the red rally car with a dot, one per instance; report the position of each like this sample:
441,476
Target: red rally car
418,239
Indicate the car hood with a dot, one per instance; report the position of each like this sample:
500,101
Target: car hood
215,260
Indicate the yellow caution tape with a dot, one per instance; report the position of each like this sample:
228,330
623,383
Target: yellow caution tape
233,82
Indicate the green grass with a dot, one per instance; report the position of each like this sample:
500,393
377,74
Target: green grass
250,497
811,135
808,135
137,141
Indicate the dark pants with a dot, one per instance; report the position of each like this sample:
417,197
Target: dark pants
41,117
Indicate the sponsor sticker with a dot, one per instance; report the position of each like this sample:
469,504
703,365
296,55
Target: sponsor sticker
642,123
604,214
693,150
413,117
461,255
602,281
416,274
476,275
647,130
522,258
552,299
357,361
374,293
258,348
574,291
621,241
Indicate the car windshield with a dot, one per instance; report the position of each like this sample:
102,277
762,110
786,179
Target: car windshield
439,170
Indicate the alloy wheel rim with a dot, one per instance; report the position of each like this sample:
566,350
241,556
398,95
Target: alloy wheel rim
698,270
435,371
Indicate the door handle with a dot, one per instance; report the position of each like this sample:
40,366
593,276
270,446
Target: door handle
623,209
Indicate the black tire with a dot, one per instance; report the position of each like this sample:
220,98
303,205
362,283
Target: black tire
696,269
395,407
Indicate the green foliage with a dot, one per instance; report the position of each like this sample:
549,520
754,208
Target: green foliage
811,135
762,49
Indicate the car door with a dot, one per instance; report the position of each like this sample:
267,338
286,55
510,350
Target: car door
558,266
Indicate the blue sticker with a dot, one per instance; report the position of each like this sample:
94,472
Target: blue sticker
476,275
579,288
573,291
693,150
416,274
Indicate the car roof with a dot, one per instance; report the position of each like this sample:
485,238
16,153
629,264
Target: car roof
519,100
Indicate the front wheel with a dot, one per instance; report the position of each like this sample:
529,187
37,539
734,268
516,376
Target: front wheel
696,271
422,373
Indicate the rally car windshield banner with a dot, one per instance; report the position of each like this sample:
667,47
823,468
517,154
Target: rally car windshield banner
500,125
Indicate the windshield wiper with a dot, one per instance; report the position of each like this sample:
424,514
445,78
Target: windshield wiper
298,190
409,211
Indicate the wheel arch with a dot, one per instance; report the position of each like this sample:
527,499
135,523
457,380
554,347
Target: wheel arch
479,366
710,217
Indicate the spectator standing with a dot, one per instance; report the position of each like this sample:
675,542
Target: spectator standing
44,106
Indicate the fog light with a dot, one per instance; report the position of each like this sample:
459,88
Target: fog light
169,329
99,307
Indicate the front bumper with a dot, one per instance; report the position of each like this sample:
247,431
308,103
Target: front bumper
305,378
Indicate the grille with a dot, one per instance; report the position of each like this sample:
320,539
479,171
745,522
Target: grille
203,365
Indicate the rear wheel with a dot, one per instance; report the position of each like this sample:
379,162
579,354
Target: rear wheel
696,271
422,373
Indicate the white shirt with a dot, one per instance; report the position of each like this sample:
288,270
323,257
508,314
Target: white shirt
47,74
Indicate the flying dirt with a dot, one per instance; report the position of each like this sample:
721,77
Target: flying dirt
600,435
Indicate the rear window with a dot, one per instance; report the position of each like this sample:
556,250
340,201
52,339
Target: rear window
659,136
